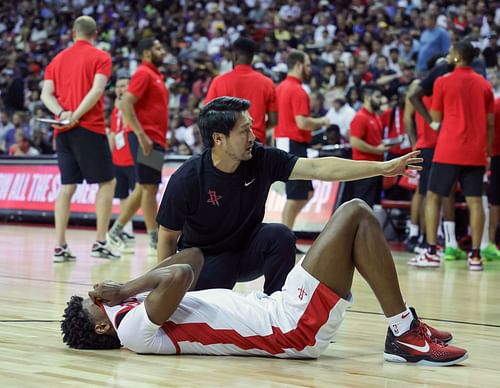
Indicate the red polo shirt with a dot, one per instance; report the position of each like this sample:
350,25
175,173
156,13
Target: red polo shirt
465,98
426,136
151,108
495,150
121,156
244,82
394,129
368,127
292,101
72,71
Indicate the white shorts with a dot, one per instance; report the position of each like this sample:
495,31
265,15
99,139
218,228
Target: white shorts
298,322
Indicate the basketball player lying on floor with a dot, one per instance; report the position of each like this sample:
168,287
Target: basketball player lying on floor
297,322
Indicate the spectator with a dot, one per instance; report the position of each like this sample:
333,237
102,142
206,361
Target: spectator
434,40
22,146
341,114
5,126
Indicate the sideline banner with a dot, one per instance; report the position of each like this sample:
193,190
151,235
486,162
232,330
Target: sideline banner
34,188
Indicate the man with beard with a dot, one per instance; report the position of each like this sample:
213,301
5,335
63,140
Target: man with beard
293,132
216,201
145,109
366,141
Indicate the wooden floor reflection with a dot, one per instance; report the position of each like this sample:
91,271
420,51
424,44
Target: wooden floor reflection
34,291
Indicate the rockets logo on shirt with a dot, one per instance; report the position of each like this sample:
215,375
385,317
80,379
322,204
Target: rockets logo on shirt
213,198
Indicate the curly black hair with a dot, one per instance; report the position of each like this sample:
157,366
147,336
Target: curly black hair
78,332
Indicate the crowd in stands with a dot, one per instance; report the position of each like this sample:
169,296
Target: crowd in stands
350,43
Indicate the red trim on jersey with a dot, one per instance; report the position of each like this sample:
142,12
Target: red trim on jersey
315,316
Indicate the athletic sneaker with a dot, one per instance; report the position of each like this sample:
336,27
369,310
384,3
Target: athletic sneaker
62,254
152,250
441,335
416,346
420,248
475,263
490,252
451,253
425,259
411,243
103,251
129,238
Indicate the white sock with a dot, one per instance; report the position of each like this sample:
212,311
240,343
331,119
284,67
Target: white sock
413,230
128,228
486,231
401,322
449,234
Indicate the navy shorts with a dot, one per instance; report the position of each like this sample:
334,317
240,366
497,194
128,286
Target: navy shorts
125,180
143,174
368,189
83,154
444,175
298,190
427,154
495,181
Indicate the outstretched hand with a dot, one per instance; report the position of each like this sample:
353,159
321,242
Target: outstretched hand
399,166
108,292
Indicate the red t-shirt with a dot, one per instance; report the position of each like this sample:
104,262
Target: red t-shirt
244,82
465,98
495,149
73,71
426,136
121,151
292,101
367,127
397,128
151,108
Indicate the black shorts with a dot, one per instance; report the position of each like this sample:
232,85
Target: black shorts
125,180
423,183
83,154
143,174
444,175
495,181
368,189
298,190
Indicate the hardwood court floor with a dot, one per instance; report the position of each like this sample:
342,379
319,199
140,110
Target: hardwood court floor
34,291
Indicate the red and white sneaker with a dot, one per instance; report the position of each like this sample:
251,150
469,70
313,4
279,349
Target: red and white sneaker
425,260
475,263
416,346
441,335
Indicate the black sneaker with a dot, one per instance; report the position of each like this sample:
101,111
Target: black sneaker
103,251
62,254
411,243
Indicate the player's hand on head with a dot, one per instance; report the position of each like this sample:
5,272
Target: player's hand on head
108,292
401,165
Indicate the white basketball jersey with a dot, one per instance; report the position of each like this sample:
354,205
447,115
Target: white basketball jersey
298,321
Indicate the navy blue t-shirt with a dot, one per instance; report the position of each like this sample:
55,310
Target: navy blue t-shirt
217,211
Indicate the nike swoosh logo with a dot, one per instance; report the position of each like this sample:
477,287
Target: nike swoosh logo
422,349
405,315
249,183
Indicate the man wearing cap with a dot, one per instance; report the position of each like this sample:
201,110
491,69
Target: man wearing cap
244,82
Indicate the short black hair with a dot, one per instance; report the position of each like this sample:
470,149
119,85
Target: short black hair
144,44
77,329
466,51
296,56
369,89
220,115
245,48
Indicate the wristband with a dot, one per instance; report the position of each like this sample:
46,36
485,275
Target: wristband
435,125
61,112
